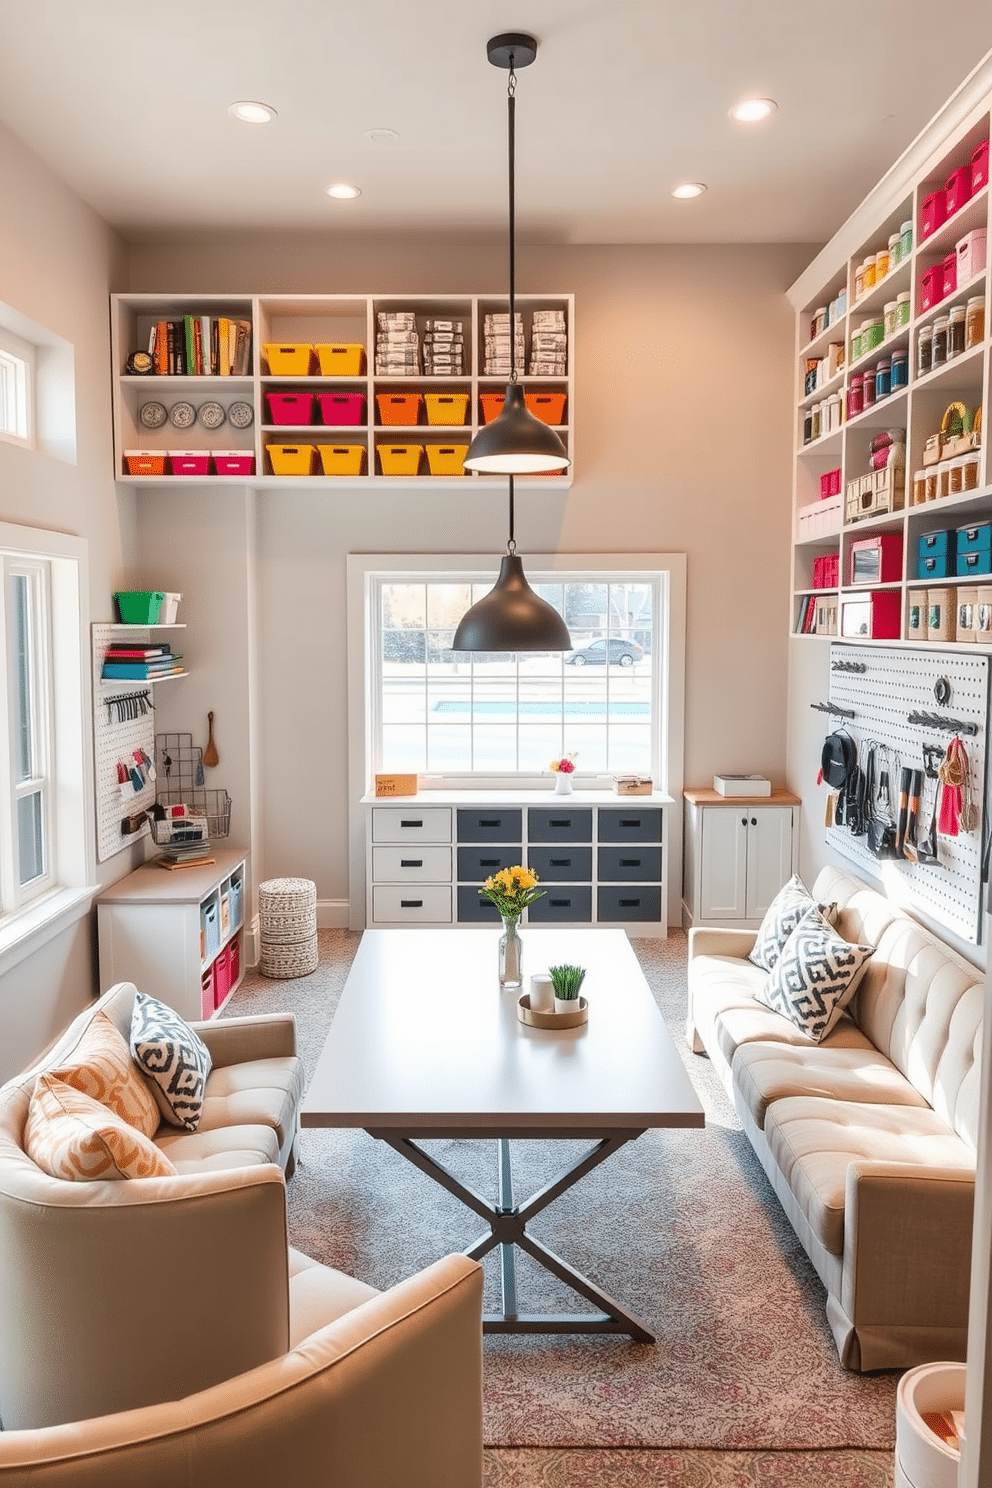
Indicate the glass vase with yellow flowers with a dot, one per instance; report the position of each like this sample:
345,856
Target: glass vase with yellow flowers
511,890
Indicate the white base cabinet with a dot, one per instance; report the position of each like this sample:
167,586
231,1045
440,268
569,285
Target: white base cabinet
739,851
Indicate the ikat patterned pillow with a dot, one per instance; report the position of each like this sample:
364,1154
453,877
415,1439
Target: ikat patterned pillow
781,918
174,1057
70,1135
815,976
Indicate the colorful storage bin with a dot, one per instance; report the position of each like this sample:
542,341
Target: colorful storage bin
339,359
398,408
971,252
400,459
932,287
190,462
234,462
492,406
139,606
207,1004
548,407
290,408
291,459
342,459
934,213
446,408
980,167
342,408
447,459
950,276
288,360
957,190
145,462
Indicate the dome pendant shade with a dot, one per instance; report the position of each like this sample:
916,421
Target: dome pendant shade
516,443
511,617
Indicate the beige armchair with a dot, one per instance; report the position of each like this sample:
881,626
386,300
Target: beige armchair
388,1395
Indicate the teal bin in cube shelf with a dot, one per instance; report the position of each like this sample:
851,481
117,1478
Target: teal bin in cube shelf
139,606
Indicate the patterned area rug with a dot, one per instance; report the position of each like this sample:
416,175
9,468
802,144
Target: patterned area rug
682,1226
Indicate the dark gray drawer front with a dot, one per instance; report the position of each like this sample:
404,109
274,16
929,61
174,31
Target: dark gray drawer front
638,902
629,865
630,825
544,824
563,864
562,904
471,907
478,863
490,826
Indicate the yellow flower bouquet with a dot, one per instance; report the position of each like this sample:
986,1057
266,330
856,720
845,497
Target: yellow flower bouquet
511,890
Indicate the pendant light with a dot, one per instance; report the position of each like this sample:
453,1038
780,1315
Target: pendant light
515,443
511,617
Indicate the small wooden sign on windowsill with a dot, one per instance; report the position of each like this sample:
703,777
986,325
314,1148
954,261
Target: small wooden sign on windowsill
396,785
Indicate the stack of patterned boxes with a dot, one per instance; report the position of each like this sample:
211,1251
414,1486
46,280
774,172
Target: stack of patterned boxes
397,344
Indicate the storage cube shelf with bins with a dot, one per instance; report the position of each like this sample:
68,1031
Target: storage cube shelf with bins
892,377
337,388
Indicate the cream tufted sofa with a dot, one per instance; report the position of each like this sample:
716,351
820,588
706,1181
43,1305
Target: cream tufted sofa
868,1138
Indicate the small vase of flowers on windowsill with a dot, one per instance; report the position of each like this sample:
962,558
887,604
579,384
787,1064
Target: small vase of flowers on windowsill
563,770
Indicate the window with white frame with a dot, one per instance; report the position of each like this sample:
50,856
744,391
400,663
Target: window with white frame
25,631
16,388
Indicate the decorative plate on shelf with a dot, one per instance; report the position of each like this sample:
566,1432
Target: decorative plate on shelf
241,415
211,415
182,415
153,415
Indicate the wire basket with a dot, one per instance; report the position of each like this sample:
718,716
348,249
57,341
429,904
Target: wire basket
214,805
182,831
180,782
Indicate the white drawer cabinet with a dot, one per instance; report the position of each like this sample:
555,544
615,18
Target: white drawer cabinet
739,851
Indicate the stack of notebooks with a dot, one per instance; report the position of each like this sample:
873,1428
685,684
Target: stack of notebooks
397,344
548,344
496,335
444,348
183,836
133,662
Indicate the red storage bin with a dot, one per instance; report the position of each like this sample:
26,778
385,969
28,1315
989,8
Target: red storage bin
492,405
234,960
950,277
932,289
342,408
957,190
233,462
190,462
934,212
207,1003
290,408
548,407
222,975
980,167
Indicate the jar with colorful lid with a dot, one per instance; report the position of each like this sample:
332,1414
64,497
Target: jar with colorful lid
883,379
868,272
874,335
924,350
868,387
906,239
900,370
895,249
955,332
903,308
855,396
881,264
890,318
974,322
938,354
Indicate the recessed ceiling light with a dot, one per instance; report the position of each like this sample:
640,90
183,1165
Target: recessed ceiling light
251,112
688,189
381,136
753,110
342,192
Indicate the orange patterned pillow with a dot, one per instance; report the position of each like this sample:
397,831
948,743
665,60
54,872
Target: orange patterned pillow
70,1135
101,1066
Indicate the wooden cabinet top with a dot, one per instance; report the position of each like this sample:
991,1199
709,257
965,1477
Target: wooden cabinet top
706,796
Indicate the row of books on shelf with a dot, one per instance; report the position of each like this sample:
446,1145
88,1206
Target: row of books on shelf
201,346
124,663
806,619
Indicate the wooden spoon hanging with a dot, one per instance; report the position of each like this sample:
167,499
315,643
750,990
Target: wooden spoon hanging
210,755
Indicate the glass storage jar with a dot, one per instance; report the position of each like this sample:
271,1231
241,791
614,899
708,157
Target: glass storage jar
903,308
943,479
955,332
955,475
900,369
890,318
931,483
906,239
855,396
969,472
883,379
974,322
924,350
868,387
939,353
919,487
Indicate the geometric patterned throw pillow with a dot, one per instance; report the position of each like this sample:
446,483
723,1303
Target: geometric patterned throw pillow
70,1135
815,976
101,1067
781,918
174,1057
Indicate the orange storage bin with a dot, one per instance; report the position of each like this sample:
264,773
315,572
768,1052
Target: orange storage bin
144,462
398,408
342,459
288,359
447,459
548,407
291,459
446,408
339,359
400,459
492,406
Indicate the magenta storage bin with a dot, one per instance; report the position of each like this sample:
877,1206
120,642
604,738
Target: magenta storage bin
207,1003
957,190
342,408
971,254
233,462
932,287
980,167
950,276
290,408
222,976
934,212
190,462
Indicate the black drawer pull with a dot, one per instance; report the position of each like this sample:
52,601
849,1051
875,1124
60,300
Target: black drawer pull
411,823
630,862
560,862
411,862
411,904
630,821
564,821
630,903
489,862
495,821
560,903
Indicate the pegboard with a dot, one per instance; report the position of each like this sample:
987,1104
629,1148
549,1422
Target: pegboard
884,689
115,738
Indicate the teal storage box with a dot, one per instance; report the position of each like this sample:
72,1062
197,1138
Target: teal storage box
979,561
976,539
935,553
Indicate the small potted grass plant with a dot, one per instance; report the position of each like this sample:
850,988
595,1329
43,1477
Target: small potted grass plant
567,980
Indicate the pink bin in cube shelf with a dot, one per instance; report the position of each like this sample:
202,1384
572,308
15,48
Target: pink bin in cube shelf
234,462
980,167
957,190
290,408
932,287
934,212
207,1003
190,462
950,276
971,254
342,408
222,976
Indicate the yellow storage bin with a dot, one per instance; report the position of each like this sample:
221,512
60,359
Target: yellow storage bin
288,359
446,408
337,359
291,459
400,459
342,459
447,459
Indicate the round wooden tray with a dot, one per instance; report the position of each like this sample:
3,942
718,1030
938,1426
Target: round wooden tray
527,1015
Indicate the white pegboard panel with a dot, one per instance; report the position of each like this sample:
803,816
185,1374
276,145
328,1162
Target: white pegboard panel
115,738
893,685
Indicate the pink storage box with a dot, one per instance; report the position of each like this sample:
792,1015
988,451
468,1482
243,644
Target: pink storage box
207,1003
190,462
957,190
234,960
950,281
342,408
234,462
222,976
934,212
290,408
971,252
980,167
829,484
932,287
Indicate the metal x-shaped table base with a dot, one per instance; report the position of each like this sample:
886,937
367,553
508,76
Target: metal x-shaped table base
508,1228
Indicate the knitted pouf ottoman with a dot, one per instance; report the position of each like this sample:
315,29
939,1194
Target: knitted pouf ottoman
287,922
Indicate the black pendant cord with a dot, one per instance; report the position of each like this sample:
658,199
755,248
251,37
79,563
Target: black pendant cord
511,546
511,104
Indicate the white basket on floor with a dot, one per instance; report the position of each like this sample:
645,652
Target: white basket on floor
287,918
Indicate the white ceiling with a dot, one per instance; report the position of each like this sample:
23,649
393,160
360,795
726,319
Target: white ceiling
126,100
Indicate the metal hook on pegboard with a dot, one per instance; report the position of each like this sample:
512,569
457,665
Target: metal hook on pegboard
938,721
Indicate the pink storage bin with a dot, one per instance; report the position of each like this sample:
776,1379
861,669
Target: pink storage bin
950,279
207,1003
342,408
233,462
980,167
957,190
290,408
971,253
234,961
190,462
934,212
932,287
222,976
